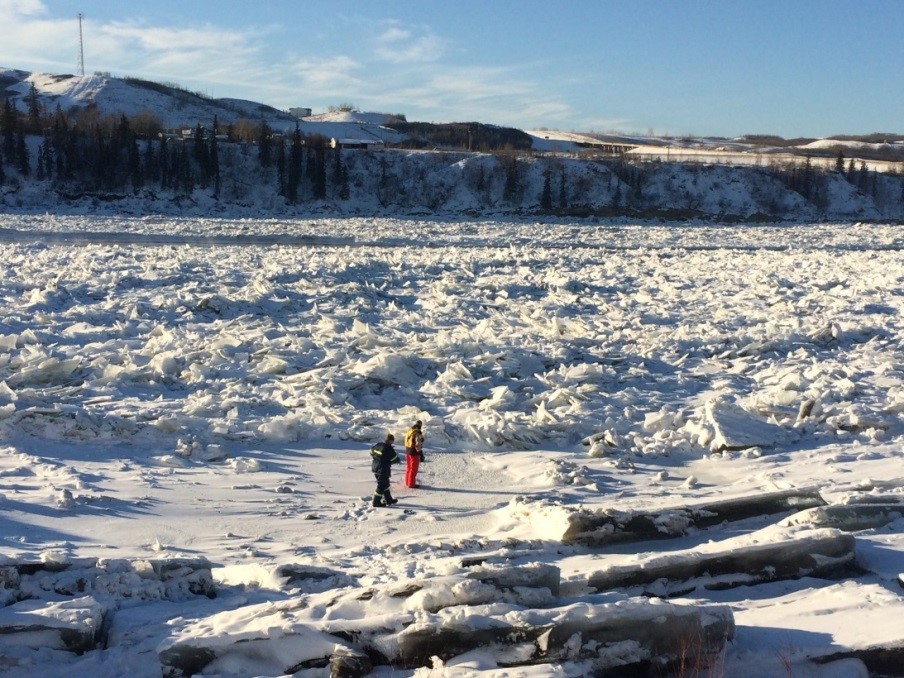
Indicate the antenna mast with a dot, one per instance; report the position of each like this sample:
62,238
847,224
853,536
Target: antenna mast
81,46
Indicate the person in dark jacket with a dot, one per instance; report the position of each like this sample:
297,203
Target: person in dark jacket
384,456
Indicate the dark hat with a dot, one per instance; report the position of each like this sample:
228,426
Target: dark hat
418,423
389,437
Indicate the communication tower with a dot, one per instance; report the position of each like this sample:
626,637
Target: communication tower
81,46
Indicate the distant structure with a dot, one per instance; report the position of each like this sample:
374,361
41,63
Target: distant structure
81,46
300,112
358,144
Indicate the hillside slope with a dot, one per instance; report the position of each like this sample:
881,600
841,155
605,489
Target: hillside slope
171,105
443,183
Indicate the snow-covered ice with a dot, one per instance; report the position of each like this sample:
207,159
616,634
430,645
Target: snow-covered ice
186,408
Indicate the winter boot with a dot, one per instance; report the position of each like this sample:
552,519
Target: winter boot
378,501
389,499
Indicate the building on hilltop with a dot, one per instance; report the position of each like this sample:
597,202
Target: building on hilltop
358,144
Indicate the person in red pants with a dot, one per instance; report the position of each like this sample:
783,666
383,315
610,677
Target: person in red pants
414,453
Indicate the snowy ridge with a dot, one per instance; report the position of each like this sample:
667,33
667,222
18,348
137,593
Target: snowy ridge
174,107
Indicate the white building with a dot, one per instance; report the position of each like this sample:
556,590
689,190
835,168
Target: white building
359,144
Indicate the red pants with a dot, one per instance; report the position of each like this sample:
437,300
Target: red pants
412,461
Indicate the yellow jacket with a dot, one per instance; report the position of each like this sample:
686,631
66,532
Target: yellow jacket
414,439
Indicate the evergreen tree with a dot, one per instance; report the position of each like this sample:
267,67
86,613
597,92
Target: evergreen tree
48,158
149,166
345,191
264,144
311,163
340,176
510,190
807,180
281,168
546,195
22,154
163,162
170,166
185,175
198,150
45,159
199,153
294,170
39,172
319,178
136,175
60,141
8,121
383,193
33,110
70,150
214,158
839,162
563,193
103,159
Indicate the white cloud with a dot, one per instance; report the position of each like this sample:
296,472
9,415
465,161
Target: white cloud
35,44
158,39
12,8
401,45
333,74
208,55
476,93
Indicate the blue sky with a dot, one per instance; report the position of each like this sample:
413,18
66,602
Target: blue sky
718,67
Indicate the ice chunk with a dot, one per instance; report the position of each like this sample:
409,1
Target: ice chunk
734,428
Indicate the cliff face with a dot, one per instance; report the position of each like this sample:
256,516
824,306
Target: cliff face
448,183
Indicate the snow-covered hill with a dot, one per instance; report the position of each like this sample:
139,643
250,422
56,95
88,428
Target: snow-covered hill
173,106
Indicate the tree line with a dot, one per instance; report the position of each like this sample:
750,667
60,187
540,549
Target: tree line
84,152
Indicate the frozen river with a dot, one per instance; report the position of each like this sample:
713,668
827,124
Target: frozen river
209,387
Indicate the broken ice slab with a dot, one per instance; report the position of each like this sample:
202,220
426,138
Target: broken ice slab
334,627
74,625
819,553
606,636
312,578
734,428
848,517
508,577
284,649
596,528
